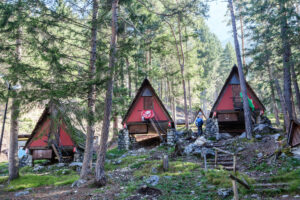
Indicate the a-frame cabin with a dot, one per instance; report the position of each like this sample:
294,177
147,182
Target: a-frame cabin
147,114
68,139
294,134
228,108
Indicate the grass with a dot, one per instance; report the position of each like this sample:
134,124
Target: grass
114,153
125,162
33,180
3,168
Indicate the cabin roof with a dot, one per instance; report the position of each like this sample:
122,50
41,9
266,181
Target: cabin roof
76,135
146,83
234,71
291,132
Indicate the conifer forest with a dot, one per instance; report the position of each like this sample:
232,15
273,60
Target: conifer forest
149,99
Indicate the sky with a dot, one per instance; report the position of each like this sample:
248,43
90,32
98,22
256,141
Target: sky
217,21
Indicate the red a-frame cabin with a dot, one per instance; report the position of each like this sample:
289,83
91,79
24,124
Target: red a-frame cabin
68,138
147,107
228,108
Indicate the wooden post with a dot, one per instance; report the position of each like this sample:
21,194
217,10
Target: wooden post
165,163
205,167
235,190
216,158
234,163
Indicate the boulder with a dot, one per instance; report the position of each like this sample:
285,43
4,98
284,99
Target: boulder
223,192
243,135
153,180
200,141
75,164
223,136
38,168
78,183
24,192
263,129
258,136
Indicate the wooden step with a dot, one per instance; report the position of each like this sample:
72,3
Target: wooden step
267,185
221,163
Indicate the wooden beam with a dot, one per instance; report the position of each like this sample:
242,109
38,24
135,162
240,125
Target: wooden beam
56,152
243,183
221,150
156,129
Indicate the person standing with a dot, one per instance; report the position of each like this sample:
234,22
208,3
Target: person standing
199,123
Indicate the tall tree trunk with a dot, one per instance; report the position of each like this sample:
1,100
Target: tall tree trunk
247,113
88,153
13,160
186,115
129,76
296,86
281,98
100,179
242,38
190,95
274,103
286,62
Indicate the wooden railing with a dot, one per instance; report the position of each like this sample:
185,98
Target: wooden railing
226,152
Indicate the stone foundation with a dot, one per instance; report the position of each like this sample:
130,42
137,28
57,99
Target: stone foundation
123,139
212,127
171,137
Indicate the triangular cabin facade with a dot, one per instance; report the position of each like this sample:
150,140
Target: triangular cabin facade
228,108
41,145
294,134
147,106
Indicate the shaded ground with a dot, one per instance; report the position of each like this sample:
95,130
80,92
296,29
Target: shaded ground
128,172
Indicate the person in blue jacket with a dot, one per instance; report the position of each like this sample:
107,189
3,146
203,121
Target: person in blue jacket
199,123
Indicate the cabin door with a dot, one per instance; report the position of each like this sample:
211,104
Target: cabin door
148,103
237,101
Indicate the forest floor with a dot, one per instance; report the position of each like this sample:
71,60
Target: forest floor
138,174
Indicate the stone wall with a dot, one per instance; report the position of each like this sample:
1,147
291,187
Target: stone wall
212,127
123,139
171,137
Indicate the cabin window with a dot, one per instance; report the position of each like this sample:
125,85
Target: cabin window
147,93
148,103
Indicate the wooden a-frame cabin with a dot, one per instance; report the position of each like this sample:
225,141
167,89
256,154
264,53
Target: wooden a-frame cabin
62,143
147,116
228,108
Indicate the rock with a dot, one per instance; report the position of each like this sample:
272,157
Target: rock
145,190
153,180
168,177
200,141
263,129
179,147
25,160
38,168
240,149
142,150
223,136
21,193
243,135
259,155
222,192
117,162
258,136
60,165
285,196
276,136
255,196
75,164
198,184
78,183
283,155
154,170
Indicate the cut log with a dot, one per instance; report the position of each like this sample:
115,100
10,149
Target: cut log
165,163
